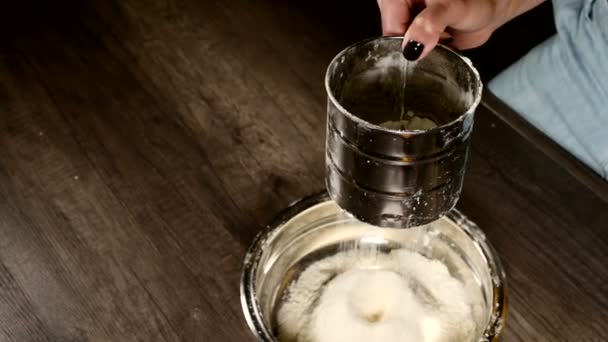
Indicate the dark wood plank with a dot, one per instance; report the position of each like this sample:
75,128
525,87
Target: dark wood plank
103,260
548,147
120,223
258,125
144,143
549,230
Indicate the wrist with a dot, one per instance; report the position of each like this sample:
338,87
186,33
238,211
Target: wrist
509,9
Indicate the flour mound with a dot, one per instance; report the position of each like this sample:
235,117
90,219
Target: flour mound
363,295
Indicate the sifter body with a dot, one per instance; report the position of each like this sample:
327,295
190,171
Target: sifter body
384,174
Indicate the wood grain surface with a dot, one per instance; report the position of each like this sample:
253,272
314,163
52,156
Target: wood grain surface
143,144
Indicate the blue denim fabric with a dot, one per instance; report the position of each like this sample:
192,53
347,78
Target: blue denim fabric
561,86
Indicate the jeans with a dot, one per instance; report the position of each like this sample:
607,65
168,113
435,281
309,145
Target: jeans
561,86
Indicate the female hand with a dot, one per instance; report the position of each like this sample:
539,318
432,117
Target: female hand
469,23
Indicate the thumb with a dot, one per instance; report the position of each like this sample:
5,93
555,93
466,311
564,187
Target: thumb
426,29
469,40
395,15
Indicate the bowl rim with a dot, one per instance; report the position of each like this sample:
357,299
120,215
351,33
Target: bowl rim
253,313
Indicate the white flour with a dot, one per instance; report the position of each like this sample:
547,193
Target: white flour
411,122
364,295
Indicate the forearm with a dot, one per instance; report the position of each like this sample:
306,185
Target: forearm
513,8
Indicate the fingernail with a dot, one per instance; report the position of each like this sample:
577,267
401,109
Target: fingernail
412,50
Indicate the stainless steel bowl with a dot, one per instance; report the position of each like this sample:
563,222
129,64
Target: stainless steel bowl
316,227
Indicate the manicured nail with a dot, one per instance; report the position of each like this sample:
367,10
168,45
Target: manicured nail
412,50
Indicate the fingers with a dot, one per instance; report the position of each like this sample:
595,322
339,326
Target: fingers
426,30
464,41
395,16
429,26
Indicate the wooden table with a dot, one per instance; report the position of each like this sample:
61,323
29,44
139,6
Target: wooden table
144,144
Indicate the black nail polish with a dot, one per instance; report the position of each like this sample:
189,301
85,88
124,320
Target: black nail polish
412,50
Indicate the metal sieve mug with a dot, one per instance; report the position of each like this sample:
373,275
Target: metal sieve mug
383,174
